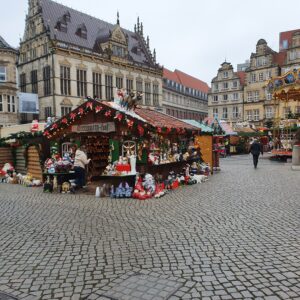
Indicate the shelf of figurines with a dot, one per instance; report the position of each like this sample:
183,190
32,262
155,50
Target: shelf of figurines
147,186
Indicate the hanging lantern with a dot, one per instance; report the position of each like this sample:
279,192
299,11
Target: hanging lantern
98,108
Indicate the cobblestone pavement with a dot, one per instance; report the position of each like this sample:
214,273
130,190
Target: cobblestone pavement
236,236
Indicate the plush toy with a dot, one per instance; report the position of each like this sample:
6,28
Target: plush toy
149,184
65,188
34,126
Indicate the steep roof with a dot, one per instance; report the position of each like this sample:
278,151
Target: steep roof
286,35
5,45
186,80
97,30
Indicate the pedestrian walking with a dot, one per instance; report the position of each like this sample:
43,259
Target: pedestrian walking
255,149
80,162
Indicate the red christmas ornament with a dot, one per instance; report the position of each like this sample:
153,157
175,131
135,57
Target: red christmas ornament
89,105
72,116
129,123
108,113
141,130
46,133
64,121
80,111
98,108
118,116
178,130
168,130
159,129
54,126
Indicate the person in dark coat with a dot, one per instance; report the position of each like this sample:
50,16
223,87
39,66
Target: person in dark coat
255,149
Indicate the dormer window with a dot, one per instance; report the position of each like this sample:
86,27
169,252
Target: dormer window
118,51
67,17
61,26
81,31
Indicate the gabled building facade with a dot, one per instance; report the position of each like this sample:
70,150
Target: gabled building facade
225,99
184,96
66,55
264,64
8,85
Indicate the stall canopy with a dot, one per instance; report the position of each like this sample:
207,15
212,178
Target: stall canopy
246,131
204,128
141,118
219,126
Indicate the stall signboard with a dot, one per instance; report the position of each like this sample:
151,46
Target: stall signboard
95,127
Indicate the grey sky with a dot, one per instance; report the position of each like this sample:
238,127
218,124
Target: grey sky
193,36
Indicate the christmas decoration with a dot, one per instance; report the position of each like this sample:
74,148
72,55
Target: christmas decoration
141,130
72,116
118,116
129,123
80,111
89,105
108,113
98,108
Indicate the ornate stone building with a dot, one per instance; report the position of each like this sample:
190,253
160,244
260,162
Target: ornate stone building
8,85
225,99
184,96
66,55
264,64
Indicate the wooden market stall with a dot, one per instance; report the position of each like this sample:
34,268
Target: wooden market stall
115,138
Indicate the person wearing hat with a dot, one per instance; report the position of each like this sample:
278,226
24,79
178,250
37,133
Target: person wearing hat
255,149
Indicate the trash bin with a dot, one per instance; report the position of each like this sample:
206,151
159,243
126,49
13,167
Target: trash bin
296,158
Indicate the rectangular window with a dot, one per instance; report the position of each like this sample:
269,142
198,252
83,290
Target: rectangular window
225,113
253,77
269,112
139,86
286,112
249,115
235,112
2,73
234,84
34,82
129,85
65,110
225,85
45,49
256,96
23,82
81,83
216,87
97,93
47,80
225,74
109,87
225,97
249,96
268,96
156,95
65,80
10,103
147,93
119,82
256,114
1,103
235,96
48,112
215,98
261,76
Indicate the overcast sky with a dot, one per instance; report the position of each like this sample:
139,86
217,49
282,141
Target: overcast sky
194,36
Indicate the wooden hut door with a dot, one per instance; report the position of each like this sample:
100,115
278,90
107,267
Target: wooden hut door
33,163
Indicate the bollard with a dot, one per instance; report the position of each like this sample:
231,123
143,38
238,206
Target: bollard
296,158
